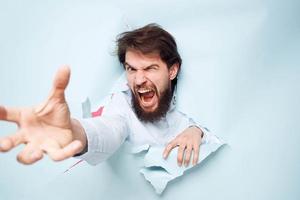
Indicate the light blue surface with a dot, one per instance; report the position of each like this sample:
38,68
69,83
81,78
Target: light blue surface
240,78
159,171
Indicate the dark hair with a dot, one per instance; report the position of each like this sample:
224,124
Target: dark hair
150,39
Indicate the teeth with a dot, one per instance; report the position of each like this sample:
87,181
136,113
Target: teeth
144,90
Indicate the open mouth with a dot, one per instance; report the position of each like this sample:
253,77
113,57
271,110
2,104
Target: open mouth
148,98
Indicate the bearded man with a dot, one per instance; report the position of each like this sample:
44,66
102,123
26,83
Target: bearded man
143,113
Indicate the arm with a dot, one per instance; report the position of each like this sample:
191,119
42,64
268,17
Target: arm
104,135
49,129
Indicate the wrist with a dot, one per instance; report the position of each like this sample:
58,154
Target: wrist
79,134
198,128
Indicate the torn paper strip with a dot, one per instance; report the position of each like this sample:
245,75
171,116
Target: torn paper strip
159,171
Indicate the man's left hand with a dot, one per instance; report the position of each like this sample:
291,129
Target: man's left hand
188,141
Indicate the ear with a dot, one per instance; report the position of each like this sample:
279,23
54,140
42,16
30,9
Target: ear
173,71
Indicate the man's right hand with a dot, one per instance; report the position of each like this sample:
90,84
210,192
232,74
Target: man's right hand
47,128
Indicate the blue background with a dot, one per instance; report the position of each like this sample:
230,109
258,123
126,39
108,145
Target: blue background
240,78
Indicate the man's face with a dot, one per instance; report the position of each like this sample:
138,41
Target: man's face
150,82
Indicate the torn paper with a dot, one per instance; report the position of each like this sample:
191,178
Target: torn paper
159,171
86,108
140,149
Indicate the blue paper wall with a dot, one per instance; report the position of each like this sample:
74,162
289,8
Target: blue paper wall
240,78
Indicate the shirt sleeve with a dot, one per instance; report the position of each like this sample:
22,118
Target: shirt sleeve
105,134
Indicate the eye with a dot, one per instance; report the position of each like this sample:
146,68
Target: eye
130,69
151,68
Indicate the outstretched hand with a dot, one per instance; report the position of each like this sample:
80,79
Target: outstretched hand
46,128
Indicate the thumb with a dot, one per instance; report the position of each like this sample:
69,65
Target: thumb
61,81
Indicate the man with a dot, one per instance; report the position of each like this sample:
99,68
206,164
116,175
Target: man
143,113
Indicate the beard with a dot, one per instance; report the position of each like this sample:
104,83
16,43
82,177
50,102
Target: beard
161,110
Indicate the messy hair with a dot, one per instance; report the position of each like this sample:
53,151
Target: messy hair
150,39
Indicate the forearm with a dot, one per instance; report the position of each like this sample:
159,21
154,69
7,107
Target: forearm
79,134
103,136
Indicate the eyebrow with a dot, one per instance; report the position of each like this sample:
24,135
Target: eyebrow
152,65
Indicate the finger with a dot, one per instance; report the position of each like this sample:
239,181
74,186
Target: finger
30,154
11,141
168,149
196,154
61,81
9,114
59,154
180,154
187,155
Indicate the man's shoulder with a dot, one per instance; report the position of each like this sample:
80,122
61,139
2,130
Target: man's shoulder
118,102
120,97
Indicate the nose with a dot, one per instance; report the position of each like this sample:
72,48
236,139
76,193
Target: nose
140,77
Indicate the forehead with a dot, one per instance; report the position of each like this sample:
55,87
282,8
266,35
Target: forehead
138,59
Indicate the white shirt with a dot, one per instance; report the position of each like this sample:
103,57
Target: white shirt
118,122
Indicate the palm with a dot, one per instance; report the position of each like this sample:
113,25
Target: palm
45,128
49,126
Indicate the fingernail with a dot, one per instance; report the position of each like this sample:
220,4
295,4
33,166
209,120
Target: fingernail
35,155
3,146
